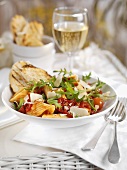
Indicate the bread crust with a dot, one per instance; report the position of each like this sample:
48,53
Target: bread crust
23,72
26,33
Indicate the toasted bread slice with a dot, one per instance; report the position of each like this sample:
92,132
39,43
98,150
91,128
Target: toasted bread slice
23,72
17,24
31,41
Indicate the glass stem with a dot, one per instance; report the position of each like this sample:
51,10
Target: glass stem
70,62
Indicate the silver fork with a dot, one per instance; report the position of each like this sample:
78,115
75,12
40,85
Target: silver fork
114,154
116,114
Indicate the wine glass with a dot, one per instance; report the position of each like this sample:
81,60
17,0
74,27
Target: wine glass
70,28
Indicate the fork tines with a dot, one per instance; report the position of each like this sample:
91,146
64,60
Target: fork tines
119,109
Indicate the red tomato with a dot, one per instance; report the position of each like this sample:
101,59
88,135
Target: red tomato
83,104
25,108
98,101
39,90
22,109
28,107
65,102
69,115
69,103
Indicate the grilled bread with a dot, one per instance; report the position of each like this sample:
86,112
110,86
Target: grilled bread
26,33
17,24
22,72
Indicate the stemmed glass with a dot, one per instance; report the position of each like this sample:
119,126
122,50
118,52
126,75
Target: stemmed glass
70,28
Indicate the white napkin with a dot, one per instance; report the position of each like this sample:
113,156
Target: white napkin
72,139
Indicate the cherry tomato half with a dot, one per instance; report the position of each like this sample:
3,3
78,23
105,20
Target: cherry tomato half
98,101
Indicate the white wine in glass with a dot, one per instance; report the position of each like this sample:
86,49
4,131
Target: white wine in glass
70,28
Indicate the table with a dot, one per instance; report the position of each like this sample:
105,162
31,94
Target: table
9,148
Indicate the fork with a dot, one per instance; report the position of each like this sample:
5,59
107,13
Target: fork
114,154
116,114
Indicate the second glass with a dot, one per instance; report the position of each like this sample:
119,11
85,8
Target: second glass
70,28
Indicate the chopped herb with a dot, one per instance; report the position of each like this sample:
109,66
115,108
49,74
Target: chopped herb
86,77
70,92
33,85
94,93
70,80
54,102
90,101
64,71
69,87
99,84
17,106
43,96
52,81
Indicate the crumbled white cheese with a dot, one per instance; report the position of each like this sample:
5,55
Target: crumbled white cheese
51,94
84,84
26,98
75,89
79,112
34,96
82,94
58,80
66,107
96,107
54,89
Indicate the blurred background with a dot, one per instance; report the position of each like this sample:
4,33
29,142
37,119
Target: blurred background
107,21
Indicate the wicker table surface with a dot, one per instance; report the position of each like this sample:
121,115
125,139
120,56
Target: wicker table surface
53,161
16,155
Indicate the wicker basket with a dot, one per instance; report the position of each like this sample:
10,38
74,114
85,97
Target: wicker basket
52,160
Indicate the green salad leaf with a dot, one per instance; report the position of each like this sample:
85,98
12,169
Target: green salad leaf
64,71
54,101
33,85
86,77
99,84
17,106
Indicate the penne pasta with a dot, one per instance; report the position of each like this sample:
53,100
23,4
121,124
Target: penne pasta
39,108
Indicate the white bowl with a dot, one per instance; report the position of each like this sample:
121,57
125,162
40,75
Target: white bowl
41,56
61,123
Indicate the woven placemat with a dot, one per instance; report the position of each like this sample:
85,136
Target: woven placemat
47,161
